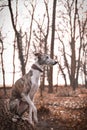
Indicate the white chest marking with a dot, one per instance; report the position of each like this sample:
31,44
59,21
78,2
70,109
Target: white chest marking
35,77
34,81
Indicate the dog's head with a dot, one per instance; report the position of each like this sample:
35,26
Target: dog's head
44,59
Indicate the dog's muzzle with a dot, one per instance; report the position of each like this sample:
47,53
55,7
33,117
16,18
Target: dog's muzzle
55,63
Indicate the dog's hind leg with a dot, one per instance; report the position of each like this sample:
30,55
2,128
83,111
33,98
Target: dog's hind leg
14,104
23,106
18,107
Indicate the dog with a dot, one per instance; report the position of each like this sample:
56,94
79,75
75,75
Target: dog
24,89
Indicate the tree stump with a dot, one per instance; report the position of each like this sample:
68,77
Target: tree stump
6,122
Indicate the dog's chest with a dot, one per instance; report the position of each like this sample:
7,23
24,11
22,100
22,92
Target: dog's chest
34,82
35,77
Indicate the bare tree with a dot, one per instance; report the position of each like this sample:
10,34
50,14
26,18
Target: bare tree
19,39
82,33
2,63
14,60
73,52
63,74
14,45
23,49
28,38
84,65
52,46
73,21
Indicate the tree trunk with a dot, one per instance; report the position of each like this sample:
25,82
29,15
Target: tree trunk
52,46
73,64
19,40
3,70
20,51
64,75
14,61
73,81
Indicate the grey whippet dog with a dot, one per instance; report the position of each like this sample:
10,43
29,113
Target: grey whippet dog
24,89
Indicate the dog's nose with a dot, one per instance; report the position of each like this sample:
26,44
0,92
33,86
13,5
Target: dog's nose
55,62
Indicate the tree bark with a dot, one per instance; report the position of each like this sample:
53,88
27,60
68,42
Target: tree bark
52,47
19,40
3,70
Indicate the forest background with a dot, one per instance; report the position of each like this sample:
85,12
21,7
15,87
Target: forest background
58,28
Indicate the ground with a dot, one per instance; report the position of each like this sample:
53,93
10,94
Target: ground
64,109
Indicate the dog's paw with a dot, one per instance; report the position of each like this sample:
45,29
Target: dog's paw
15,118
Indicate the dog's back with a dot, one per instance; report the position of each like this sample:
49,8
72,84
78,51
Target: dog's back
22,85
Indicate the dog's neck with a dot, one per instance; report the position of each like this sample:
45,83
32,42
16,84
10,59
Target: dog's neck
36,67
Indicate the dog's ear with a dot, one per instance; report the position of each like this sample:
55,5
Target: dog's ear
38,55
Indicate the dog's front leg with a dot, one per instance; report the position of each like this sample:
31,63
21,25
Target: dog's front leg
30,113
32,107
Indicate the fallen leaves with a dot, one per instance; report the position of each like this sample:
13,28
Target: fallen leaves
71,111
64,110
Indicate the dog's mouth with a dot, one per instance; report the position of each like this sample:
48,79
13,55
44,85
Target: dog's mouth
55,63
